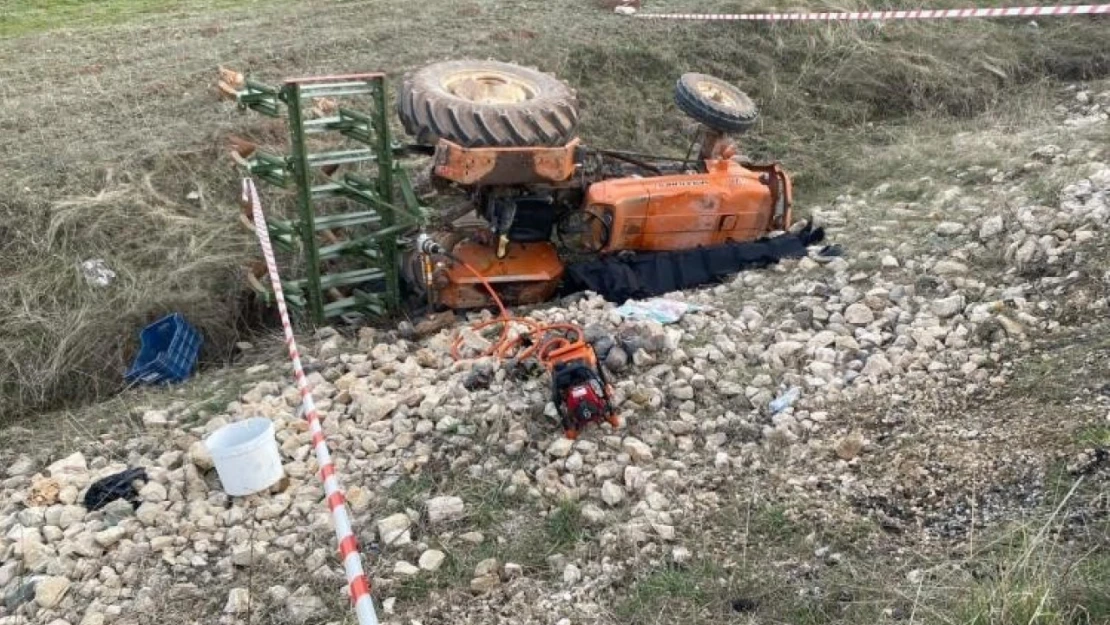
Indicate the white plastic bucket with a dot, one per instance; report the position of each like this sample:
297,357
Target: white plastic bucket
246,456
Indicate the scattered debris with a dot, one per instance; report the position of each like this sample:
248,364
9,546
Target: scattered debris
44,491
663,310
117,486
443,509
434,323
168,353
784,401
97,272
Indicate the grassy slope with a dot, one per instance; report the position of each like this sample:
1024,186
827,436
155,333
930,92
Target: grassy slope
101,164
818,99
28,17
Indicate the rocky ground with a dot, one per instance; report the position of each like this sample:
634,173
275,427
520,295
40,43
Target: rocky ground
863,414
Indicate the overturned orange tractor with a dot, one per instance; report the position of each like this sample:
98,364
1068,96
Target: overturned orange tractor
540,210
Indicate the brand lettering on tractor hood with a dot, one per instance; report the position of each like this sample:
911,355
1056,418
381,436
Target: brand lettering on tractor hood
682,183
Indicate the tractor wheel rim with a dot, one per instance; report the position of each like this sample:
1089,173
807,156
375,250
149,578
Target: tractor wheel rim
716,94
489,87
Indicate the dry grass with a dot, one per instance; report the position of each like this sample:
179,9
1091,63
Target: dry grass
136,99
70,339
757,562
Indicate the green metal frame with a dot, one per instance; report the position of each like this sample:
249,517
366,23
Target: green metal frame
376,247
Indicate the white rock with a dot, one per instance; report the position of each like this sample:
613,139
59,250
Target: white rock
611,493
991,227
858,314
949,268
149,514
110,536
23,465
950,228
513,570
474,538
658,501
50,591
156,419
432,559
683,392
642,359
721,460
375,407
484,583
248,554
71,469
637,449
948,306
666,532
571,574
394,530
850,446
445,508
153,492
1028,253
877,366
680,554
405,569
635,479
303,605
824,338
32,517
593,514
574,462
200,456
489,566
8,572
238,601
560,447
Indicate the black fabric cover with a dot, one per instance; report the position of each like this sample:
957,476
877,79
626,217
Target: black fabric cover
648,274
118,486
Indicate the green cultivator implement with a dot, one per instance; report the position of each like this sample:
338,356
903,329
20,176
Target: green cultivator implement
353,200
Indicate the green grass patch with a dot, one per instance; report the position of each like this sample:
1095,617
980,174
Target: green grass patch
411,490
1041,597
565,527
1096,435
29,17
513,534
689,594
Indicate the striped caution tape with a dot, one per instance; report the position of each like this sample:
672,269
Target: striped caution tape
912,14
358,583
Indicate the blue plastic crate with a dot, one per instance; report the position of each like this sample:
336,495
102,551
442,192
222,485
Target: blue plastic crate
168,353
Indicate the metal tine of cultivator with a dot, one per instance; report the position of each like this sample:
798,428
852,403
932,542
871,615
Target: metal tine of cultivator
350,257
261,98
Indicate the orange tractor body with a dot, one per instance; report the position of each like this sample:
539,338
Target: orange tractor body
684,211
720,201
505,136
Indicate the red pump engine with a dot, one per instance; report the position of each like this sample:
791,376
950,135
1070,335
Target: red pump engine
579,389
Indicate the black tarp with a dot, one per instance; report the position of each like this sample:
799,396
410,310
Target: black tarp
647,274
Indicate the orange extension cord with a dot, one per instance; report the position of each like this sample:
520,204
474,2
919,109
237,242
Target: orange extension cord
548,340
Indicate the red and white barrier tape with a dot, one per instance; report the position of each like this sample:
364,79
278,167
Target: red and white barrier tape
913,14
358,583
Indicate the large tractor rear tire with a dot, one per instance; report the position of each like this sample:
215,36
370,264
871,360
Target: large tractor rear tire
487,104
715,103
